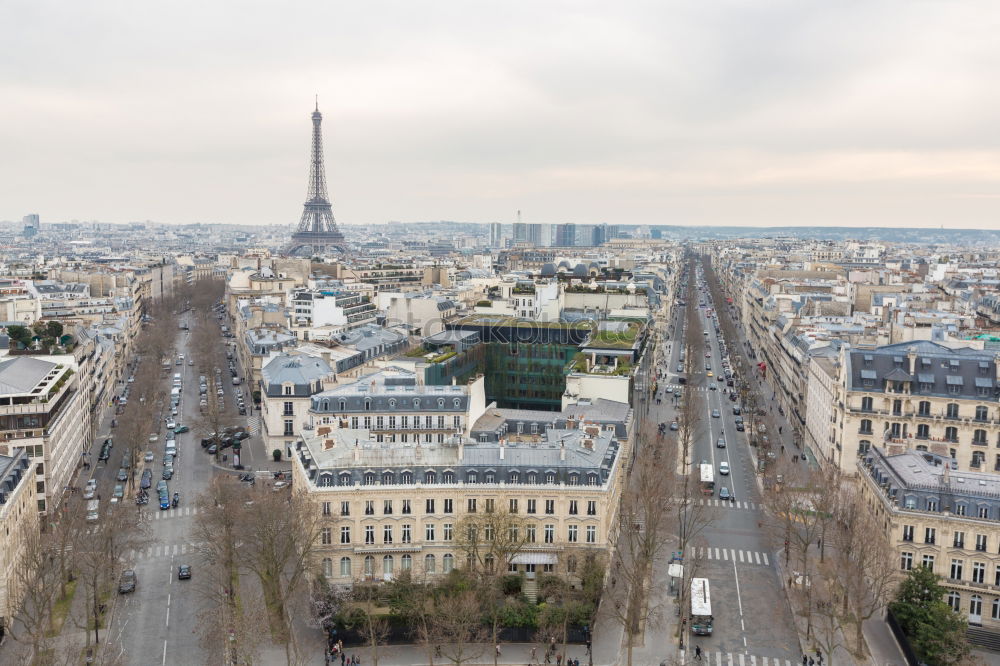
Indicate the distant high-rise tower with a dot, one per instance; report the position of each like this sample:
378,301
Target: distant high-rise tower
32,224
317,232
496,235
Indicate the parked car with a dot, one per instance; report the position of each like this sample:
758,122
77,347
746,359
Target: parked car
90,492
740,427
147,479
171,424
119,492
674,425
127,583
154,437
243,434
148,457
213,449
168,473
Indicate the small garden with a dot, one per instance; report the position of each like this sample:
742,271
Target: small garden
45,336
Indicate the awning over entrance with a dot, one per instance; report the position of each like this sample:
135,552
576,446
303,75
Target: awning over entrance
534,558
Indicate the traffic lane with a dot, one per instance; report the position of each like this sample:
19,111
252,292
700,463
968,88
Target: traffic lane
144,613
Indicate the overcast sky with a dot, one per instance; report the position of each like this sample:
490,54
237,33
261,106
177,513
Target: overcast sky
763,112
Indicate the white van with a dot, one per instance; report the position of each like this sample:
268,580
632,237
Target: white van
175,392
93,510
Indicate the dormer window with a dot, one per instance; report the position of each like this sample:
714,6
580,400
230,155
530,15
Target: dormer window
458,403
416,403
868,360
440,403
288,389
392,403
368,404
343,405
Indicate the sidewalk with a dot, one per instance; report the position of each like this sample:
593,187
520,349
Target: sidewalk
416,655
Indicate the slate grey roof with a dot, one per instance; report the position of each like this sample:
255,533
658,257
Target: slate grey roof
22,374
898,375
298,369
939,370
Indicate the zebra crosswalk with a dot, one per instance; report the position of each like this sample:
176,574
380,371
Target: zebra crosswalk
166,550
749,506
253,425
170,513
750,557
739,659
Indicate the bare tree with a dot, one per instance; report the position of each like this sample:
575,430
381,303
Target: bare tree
455,626
367,616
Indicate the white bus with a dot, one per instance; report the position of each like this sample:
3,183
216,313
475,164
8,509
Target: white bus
707,480
701,607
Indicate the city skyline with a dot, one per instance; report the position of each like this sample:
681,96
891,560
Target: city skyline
866,116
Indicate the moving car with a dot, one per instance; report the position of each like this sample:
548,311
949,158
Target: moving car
724,468
148,457
721,443
181,428
122,474
724,493
715,414
119,492
184,572
105,453
154,437
740,427
674,425
127,583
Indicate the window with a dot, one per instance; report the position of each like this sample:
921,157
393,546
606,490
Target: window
429,506
550,533
951,411
369,534
369,565
406,533
929,534
387,507
345,566
550,477
529,534
387,565
866,427
345,508
996,576
932,505
490,477
406,507
289,408
448,507
387,534
981,543
288,390
960,509
406,477
979,437
379,423
927,562
406,563
369,479
996,609
897,407
512,506
984,512
550,507
345,535
923,431
289,427
429,563
430,477
472,477
955,600
571,536
532,478
951,434
471,505
982,413
327,567
956,569
906,561
572,508
907,532
326,536
959,541
448,477
368,423
866,404
978,572
591,534
515,477
326,509
456,423
354,422
490,505
429,532
369,507
447,531
447,563
531,506
924,408
591,507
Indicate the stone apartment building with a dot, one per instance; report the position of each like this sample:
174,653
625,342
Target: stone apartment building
288,381
944,519
430,455
18,518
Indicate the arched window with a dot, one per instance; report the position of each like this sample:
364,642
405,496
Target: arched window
392,403
979,437
864,445
326,405
387,565
951,434
866,404
592,479
325,480
345,479
447,563
345,566
388,478
995,614
955,600
416,403
430,476
574,478
369,565
406,562
952,410
440,403
532,478
429,563
368,404
924,408
982,413
457,402
327,567
550,477
343,405
923,431
866,426
489,477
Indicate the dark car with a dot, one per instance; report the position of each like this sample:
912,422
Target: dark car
740,427
147,479
736,410
243,411
168,473
184,572
213,449
122,474
105,453
127,583
242,435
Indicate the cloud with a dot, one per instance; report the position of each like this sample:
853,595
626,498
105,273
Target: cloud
733,112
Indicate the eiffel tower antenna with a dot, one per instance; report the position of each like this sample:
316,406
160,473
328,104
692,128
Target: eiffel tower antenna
317,232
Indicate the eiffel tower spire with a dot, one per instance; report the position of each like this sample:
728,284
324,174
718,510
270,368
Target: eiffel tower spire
317,232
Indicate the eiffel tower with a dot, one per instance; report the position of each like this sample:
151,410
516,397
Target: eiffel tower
317,232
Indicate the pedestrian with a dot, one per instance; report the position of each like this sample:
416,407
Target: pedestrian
811,662
697,652
498,649
559,659
533,649
343,658
548,656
